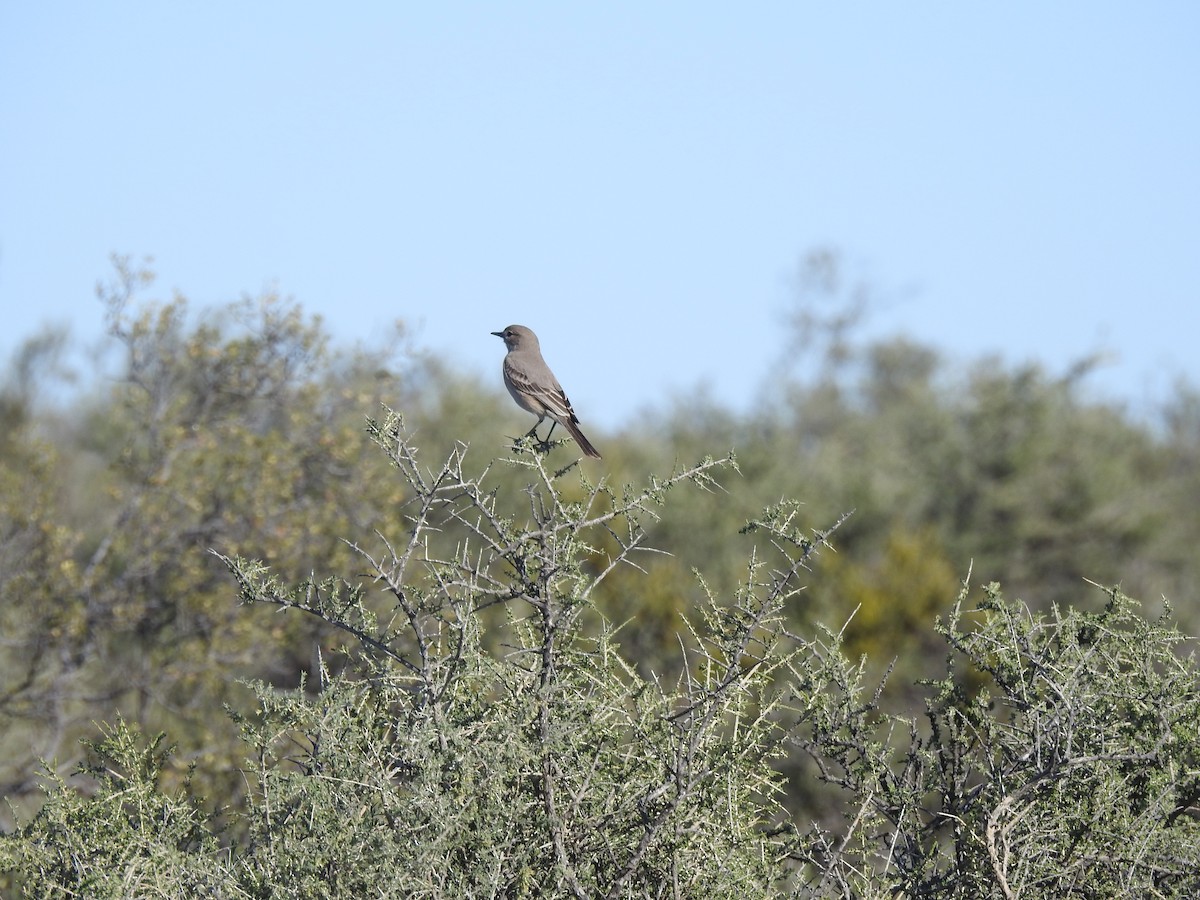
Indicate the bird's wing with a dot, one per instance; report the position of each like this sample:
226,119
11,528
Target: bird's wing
545,389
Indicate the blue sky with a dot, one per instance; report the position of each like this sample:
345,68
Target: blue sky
635,181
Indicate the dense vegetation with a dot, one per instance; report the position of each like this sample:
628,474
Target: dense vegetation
453,676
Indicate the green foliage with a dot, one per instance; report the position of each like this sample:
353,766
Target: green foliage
116,831
433,768
547,769
38,575
231,432
1059,755
1101,730
1018,473
1075,773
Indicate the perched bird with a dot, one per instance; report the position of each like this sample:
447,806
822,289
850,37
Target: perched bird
535,388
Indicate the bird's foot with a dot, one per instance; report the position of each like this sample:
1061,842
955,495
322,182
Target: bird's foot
530,443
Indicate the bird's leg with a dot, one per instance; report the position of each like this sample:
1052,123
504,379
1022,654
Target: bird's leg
544,445
532,433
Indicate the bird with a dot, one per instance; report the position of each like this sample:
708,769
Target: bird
535,388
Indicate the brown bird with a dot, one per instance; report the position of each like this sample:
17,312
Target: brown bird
535,388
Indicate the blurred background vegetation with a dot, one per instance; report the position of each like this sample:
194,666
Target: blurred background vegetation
241,429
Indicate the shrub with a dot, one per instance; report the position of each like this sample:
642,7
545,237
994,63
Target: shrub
1059,756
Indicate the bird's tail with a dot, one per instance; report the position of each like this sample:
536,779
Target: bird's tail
584,444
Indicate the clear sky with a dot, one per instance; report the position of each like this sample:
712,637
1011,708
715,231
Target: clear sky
635,181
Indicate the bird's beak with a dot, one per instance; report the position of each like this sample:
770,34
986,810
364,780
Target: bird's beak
498,333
